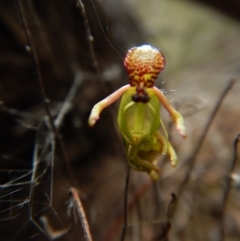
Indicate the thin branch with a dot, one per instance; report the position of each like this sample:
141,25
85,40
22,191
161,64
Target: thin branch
81,213
193,156
67,104
42,89
125,206
90,39
190,161
227,188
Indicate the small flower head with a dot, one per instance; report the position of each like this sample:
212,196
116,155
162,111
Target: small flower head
143,65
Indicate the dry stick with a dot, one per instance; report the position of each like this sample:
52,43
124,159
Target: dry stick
228,186
82,216
190,161
125,206
42,88
192,158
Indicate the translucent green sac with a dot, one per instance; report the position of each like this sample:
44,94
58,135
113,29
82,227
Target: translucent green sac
138,121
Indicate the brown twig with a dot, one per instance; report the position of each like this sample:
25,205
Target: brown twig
190,161
81,213
227,188
192,158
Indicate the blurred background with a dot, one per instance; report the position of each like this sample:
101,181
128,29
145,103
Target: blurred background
44,50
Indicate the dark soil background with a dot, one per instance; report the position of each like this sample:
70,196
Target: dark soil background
47,69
